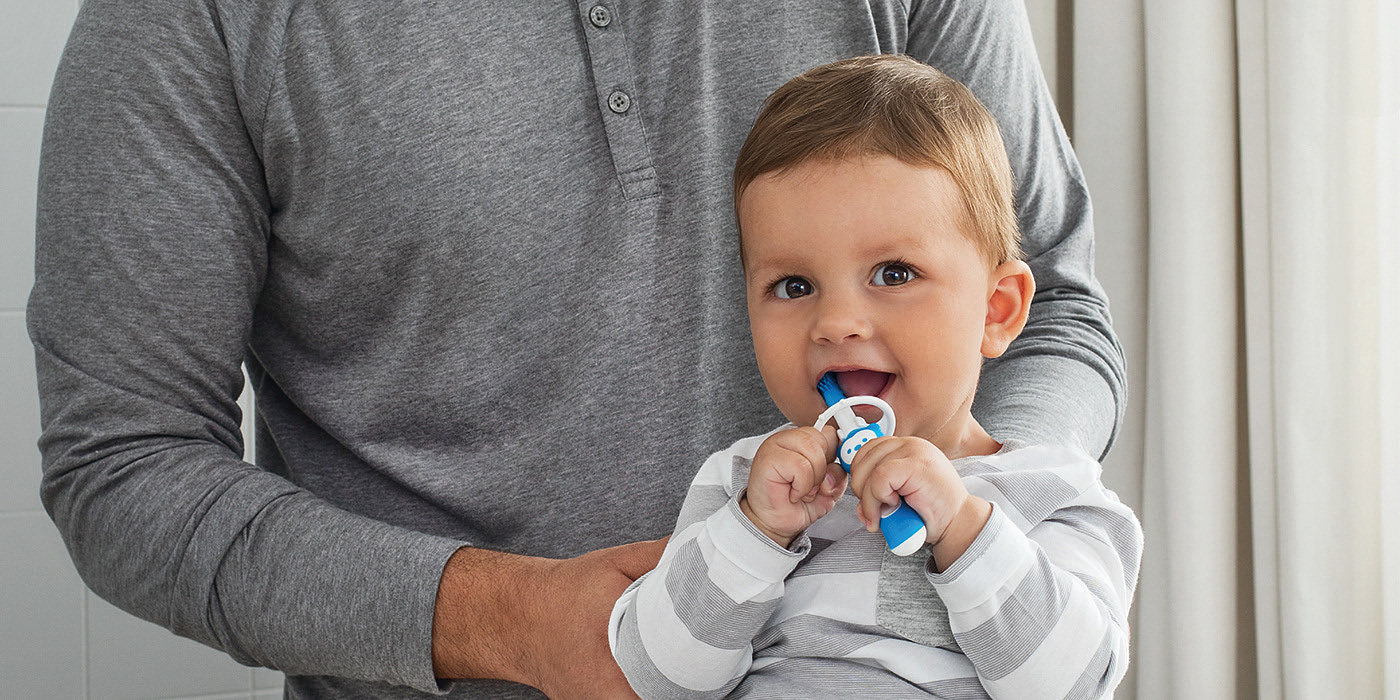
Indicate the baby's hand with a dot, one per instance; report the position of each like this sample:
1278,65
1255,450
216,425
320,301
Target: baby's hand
793,482
890,467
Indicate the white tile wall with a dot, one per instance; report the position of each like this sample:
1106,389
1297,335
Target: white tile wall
132,658
19,419
19,163
41,612
57,640
31,40
267,680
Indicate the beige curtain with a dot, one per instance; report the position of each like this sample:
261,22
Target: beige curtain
1270,495
1313,238
1244,158
1190,627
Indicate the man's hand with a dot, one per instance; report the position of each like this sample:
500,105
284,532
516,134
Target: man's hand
541,622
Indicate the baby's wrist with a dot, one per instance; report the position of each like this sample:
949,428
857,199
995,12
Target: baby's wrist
779,538
961,531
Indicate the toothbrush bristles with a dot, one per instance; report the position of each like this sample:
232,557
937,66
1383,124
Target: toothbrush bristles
830,389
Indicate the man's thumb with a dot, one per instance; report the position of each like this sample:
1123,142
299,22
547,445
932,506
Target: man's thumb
640,557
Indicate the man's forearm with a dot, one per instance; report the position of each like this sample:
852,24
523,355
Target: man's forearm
482,610
541,622
1048,399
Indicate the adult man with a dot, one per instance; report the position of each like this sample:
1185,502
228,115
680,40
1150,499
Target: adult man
462,251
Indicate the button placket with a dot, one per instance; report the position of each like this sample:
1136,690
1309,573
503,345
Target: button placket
616,84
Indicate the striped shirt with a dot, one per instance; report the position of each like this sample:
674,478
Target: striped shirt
1036,608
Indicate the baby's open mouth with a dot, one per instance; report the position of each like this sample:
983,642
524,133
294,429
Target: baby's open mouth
863,382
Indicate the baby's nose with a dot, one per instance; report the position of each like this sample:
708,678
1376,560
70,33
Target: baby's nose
841,318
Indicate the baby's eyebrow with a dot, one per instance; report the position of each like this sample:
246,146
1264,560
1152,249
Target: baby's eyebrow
763,267
919,241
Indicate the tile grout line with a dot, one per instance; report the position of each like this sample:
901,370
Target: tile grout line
87,676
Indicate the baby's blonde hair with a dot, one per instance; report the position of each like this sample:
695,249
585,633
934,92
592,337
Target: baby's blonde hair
895,106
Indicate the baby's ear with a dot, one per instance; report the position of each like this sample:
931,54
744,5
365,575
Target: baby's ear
1008,306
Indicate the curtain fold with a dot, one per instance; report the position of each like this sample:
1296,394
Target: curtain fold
1271,498
1310,149
1387,188
1189,605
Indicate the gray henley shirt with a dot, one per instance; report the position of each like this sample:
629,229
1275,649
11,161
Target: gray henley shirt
480,262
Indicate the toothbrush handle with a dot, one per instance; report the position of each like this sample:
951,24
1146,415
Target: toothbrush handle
902,527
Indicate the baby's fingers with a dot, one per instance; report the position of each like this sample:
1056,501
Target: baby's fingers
831,442
827,476
798,456
870,456
876,479
879,500
834,482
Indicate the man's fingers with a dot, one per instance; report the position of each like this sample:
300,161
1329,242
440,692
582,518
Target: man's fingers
570,656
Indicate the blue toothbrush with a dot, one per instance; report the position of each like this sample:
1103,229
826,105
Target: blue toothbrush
903,528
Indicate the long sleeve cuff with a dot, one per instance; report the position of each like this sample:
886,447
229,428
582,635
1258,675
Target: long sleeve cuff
741,543
358,603
1000,555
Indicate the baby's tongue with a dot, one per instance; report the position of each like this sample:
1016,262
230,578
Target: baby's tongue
861,382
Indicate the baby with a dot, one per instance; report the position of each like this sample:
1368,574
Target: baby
879,244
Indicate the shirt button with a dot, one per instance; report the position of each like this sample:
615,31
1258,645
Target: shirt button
600,16
619,101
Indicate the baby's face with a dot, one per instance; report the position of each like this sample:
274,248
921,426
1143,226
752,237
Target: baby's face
863,267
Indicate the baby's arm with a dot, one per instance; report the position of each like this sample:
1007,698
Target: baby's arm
1039,601
685,628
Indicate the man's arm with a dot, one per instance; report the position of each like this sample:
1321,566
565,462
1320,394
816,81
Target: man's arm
1063,379
153,228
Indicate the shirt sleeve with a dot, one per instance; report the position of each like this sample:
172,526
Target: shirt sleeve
1064,377
152,228
1039,602
685,629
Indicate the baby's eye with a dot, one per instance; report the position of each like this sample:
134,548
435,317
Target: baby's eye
792,288
893,275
